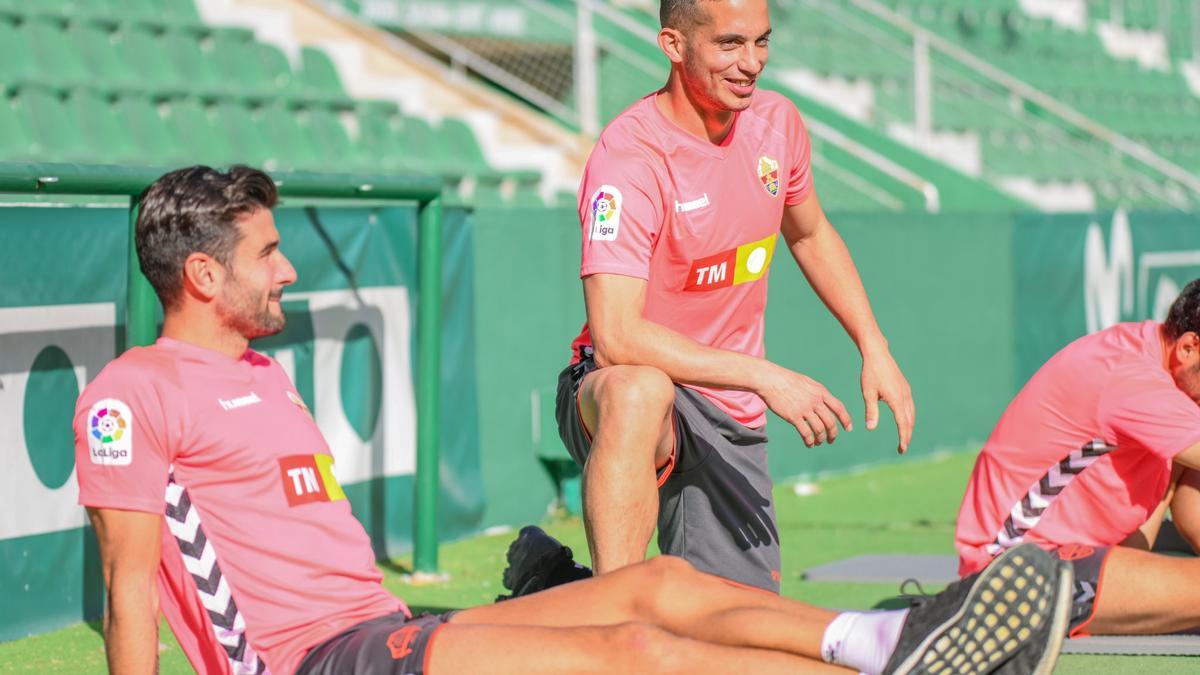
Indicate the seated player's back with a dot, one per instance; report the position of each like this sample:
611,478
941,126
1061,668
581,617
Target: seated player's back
261,556
1083,453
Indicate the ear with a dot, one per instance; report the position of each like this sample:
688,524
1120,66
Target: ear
670,41
1187,349
202,276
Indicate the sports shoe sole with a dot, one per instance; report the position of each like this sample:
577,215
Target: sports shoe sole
1062,617
1005,608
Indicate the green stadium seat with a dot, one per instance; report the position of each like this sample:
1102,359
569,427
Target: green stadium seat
149,130
15,140
56,59
432,155
253,70
244,133
462,143
189,121
16,58
275,69
318,78
526,196
173,13
289,143
108,141
144,52
380,140
331,138
103,62
191,65
181,12
45,117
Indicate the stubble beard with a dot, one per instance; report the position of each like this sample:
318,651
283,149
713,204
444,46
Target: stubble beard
240,313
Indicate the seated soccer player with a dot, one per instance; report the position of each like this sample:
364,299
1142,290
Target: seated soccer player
1085,462
212,496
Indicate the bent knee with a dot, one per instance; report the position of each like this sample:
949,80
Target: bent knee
633,388
662,582
642,648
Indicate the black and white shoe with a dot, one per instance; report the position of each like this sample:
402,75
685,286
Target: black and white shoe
1009,618
537,561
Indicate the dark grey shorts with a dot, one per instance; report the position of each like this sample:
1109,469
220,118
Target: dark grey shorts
389,645
1088,563
715,505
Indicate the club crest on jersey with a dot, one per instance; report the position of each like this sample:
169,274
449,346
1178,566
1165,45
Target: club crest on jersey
606,214
110,433
294,398
768,174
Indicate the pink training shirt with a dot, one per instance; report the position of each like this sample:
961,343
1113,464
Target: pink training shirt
1083,454
699,222
261,558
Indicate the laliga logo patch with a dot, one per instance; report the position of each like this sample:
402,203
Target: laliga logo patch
110,433
768,173
606,214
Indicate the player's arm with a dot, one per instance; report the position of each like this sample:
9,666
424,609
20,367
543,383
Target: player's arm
620,335
826,263
129,555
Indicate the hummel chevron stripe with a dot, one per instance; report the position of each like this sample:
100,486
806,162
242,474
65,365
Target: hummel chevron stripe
200,558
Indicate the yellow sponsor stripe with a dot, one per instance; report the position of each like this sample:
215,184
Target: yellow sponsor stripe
325,466
754,259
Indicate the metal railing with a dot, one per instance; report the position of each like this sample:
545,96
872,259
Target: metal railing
1061,122
141,323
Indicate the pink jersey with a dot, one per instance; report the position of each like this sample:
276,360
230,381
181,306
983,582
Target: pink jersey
261,557
699,222
1083,454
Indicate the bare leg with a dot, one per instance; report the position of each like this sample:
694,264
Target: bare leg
623,648
627,410
668,593
1146,593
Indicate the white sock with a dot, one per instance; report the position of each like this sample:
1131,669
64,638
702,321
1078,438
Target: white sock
863,641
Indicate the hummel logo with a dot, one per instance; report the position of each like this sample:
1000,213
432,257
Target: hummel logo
684,207
240,402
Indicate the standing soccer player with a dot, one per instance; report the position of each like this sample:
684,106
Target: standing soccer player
664,402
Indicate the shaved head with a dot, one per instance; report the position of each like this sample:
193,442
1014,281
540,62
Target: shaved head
682,15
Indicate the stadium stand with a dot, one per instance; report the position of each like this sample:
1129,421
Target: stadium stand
261,81
150,81
1115,122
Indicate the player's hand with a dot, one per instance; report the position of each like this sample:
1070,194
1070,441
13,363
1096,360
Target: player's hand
883,381
806,404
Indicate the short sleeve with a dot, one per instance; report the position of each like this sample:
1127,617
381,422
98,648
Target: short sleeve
620,212
800,179
121,441
1148,411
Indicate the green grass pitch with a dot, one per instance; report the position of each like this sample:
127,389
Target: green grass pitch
907,507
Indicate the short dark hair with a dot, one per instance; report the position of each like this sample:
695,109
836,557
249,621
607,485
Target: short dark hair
1184,315
682,15
195,210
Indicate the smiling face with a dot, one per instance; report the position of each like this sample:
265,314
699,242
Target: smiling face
723,55
250,294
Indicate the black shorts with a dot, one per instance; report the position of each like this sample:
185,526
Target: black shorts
389,645
715,503
1088,564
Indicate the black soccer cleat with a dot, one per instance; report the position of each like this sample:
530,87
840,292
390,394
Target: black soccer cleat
537,561
1009,618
